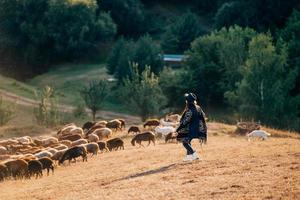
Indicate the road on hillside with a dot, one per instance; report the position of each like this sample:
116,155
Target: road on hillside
24,101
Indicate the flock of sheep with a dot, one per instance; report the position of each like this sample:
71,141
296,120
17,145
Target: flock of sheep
26,157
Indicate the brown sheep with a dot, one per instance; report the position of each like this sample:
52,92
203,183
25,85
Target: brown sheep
103,132
79,142
115,144
134,129
66,142
65,129
93,137
114,124
151,123
102,146
47,164
122,123
101,123
35,167
70,137
146,136
17,168
88,125
92,148
3,172
171,136
91,130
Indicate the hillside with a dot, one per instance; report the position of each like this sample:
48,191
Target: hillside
231,168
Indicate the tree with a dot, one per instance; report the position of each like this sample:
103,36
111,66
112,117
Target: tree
181,33
94,95
175,83
40,32
142,93
215,62
264,92
47,113
128,15
291,35
143,51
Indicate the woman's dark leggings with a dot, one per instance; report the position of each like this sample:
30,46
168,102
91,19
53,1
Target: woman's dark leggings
187,144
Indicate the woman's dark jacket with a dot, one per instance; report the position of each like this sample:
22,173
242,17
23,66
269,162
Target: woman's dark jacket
192,123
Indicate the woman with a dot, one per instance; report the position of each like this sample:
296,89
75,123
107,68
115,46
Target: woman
192,125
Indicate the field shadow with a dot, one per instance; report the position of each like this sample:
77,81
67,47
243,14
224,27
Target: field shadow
149,172
145,173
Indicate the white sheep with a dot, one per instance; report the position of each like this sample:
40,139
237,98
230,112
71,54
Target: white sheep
164,123
44,153
164,130
258,134
102,132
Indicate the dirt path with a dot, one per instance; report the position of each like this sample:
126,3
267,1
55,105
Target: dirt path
20,100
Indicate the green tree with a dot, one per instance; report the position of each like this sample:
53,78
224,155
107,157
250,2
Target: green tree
73,27
142,93
128,15
94,95
174,83
47,113
40,32
291,35
143,51
181,33
215,62
264,92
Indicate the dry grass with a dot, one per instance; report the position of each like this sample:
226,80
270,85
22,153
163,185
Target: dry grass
232,168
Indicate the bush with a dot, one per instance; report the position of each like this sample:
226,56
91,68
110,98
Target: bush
7,112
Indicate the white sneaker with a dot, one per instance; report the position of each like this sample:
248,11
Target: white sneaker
195,156
188,158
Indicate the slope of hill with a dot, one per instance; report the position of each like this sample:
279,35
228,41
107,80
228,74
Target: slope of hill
231,168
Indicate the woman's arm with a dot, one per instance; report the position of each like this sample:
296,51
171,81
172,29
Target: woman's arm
186,119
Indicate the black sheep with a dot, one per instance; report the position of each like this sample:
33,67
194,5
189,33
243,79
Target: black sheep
47,164
73,153
35,168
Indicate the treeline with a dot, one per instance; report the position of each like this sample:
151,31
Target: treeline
246,60
254,74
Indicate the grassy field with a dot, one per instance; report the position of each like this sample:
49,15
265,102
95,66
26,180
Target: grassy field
231,168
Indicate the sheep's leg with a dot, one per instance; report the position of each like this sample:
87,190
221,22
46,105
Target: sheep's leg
48,171
153,142
148,143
